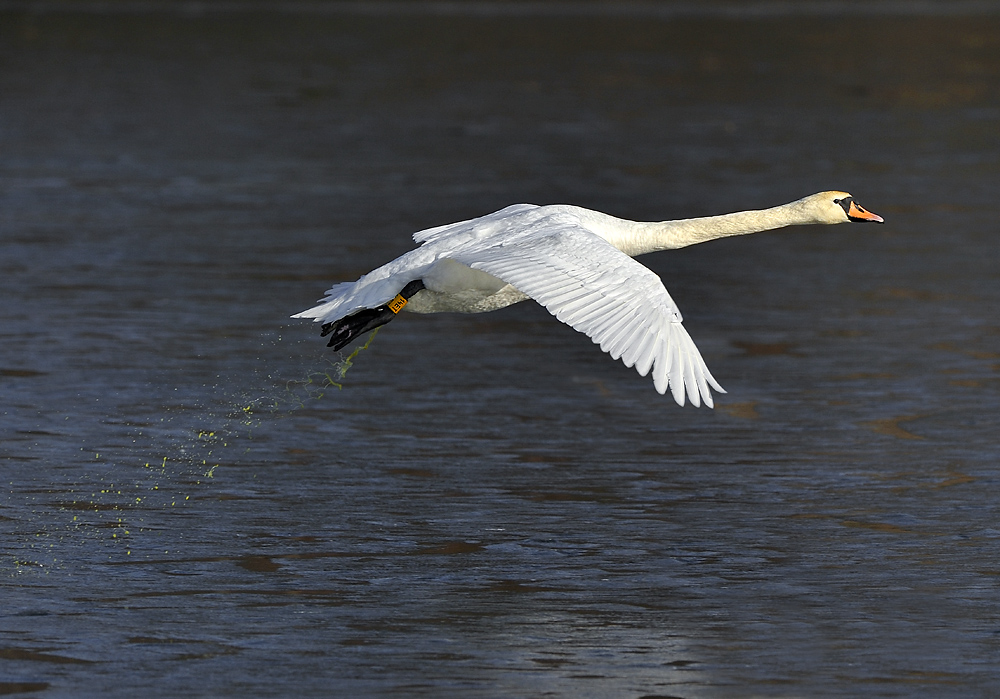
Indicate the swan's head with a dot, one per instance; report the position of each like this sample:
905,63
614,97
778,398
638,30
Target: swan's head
836,207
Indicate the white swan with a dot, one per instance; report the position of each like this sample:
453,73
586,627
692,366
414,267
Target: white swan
575,262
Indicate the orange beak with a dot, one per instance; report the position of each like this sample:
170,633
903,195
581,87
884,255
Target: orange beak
859,214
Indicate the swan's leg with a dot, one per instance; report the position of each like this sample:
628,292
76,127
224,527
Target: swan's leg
347,329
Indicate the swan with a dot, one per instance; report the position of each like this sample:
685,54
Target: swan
575,262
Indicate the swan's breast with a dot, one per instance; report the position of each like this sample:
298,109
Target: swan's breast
452,287
470,301
446,276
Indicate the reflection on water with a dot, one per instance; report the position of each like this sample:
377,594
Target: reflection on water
487,505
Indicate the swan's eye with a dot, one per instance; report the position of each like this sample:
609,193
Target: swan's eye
837,201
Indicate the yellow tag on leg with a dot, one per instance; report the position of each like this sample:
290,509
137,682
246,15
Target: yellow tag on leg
396,305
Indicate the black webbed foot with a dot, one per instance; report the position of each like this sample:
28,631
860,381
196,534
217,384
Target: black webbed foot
347,329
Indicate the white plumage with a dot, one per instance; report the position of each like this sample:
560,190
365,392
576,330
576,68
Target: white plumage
575,262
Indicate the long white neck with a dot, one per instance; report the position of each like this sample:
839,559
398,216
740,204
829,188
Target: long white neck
668,235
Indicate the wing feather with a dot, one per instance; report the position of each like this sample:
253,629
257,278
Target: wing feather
662,366
627,337
690,382
644,358
611,334
635,350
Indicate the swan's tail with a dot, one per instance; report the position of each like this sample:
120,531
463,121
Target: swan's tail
334,306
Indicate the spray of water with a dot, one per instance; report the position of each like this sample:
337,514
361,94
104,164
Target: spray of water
130,485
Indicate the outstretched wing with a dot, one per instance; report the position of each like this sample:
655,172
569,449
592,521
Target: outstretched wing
590,285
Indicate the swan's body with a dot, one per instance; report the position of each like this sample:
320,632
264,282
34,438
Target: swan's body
575,262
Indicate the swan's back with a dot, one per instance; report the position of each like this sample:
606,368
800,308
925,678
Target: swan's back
483,224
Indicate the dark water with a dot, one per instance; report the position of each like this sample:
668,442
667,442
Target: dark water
490,506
